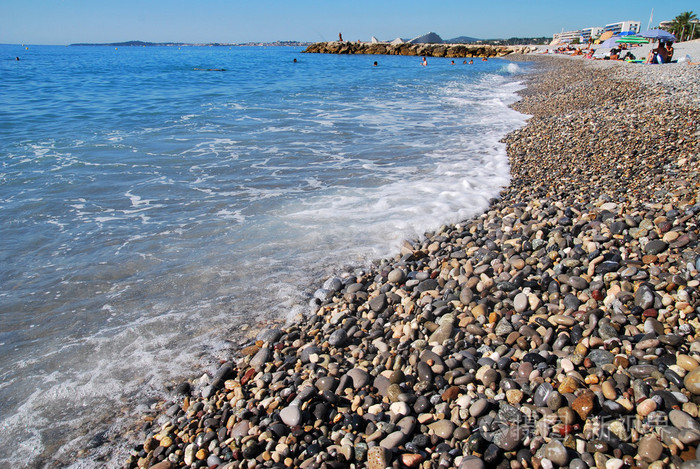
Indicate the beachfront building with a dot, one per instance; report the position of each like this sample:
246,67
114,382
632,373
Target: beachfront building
667,25
623,26
566,37
592,32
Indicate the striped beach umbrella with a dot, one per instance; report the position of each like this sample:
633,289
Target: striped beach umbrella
632,40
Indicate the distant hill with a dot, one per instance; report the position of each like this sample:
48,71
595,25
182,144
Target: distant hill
430,38
177,44
434,38
132,44
462,40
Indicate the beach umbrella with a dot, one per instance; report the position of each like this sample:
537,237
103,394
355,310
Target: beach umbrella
632,40
606,35
626,33
610,42
658,34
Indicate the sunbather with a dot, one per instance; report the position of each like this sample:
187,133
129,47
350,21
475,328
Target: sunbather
658,55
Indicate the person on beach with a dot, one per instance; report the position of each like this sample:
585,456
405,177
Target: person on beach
424,62
669,52
340,37
658,55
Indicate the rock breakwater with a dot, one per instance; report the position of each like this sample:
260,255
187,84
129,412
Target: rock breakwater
558,329
429,50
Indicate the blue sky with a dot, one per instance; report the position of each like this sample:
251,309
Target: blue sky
70,21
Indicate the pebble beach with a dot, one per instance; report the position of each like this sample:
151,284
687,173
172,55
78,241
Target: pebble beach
560,328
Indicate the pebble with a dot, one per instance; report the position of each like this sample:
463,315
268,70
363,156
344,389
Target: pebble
556,452
393,440
291,416
479,407
472,462
359,378
692,381
650,448
583,405
338,338
397,276
683,420
378,457
442,428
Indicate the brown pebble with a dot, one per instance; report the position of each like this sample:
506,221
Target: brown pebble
450,394
649,259
250,350
568,385
646,407
620,361
411,460
514,396
687,362
584,404
688,454
609,391
163,465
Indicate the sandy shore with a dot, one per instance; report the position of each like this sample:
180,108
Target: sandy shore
558,329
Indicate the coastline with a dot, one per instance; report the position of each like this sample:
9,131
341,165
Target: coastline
406,362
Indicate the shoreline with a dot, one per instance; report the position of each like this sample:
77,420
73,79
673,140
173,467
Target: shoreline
424,360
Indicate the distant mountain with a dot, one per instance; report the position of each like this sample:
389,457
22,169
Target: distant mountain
133,44
462,40
177,44
430,38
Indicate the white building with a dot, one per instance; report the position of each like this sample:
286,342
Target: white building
665,25
592,32
566,36
623,26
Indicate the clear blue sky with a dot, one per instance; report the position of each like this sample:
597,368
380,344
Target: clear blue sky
70,21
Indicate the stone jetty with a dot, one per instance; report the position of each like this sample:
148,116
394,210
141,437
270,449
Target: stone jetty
428,50
560,328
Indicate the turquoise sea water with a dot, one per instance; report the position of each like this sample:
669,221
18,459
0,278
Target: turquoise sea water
149,210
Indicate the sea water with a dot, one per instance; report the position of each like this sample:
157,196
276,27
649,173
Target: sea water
152,209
